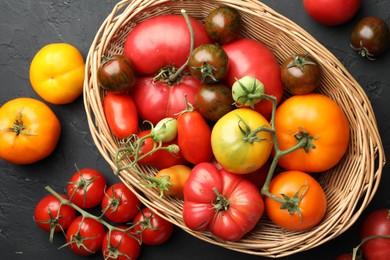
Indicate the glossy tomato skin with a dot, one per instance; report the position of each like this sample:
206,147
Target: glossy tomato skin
120,245
319,117
116,74
300,74
208,63
312,206
370,37
49,211
154,229
121,114
178,175
214,100
119,203
30,131
156,100
248,57
86,188
85,236
223,24
229,147
57,73
377,223
204,209
332,12
162,41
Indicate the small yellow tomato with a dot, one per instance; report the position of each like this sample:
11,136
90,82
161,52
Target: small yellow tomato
57,73
175,177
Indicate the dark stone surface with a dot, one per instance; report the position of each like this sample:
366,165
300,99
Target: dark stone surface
26,25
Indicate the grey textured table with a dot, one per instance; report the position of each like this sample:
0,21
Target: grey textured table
26,25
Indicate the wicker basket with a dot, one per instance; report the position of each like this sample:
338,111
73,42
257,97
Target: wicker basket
347,197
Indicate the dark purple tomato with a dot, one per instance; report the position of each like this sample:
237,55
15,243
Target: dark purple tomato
213,101
300,74
223,24
370,37
116,74
208,63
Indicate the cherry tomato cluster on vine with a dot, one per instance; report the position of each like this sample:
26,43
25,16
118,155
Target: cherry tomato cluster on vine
118,233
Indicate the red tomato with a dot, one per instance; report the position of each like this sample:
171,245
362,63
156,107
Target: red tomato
194,137
248,57
153,229
345,256
51,216
376,223
332,12
120,245
226,204
162,41
86,188
85,236
120,204
121,114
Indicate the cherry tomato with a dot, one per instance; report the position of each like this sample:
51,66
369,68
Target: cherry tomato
119,203
208,63
153,229
116,74
248,57
214,101
121,114
318,119
193,137
120,245
332,12
86,188
29,131
370,37
57,73
85,236
377,223
300,74
175,176
296,185
223,24
51,216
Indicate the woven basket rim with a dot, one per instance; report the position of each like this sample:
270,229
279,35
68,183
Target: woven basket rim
365,139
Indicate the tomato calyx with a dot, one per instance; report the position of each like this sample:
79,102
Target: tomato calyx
249,135
81,184
300,61
18,127
206,70
78,240
363,51
221,202
114,202
247,91
291,204
302,134
113,252
53,223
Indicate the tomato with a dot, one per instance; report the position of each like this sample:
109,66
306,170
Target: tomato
213,101
116,74
300,74
85,236
119,203
153,229
162,41
291,215
319,120
29,131
223,24
175,177
332,12
121,114
248,57
237,142
370,37
377,223
57,73
226,204
208,63
120,245
86,188
345,256
193,137
51,216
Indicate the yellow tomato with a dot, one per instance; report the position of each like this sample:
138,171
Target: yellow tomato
57,73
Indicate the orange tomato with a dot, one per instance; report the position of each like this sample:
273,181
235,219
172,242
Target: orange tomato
177,175
57,73
320,118
312,205
29,131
